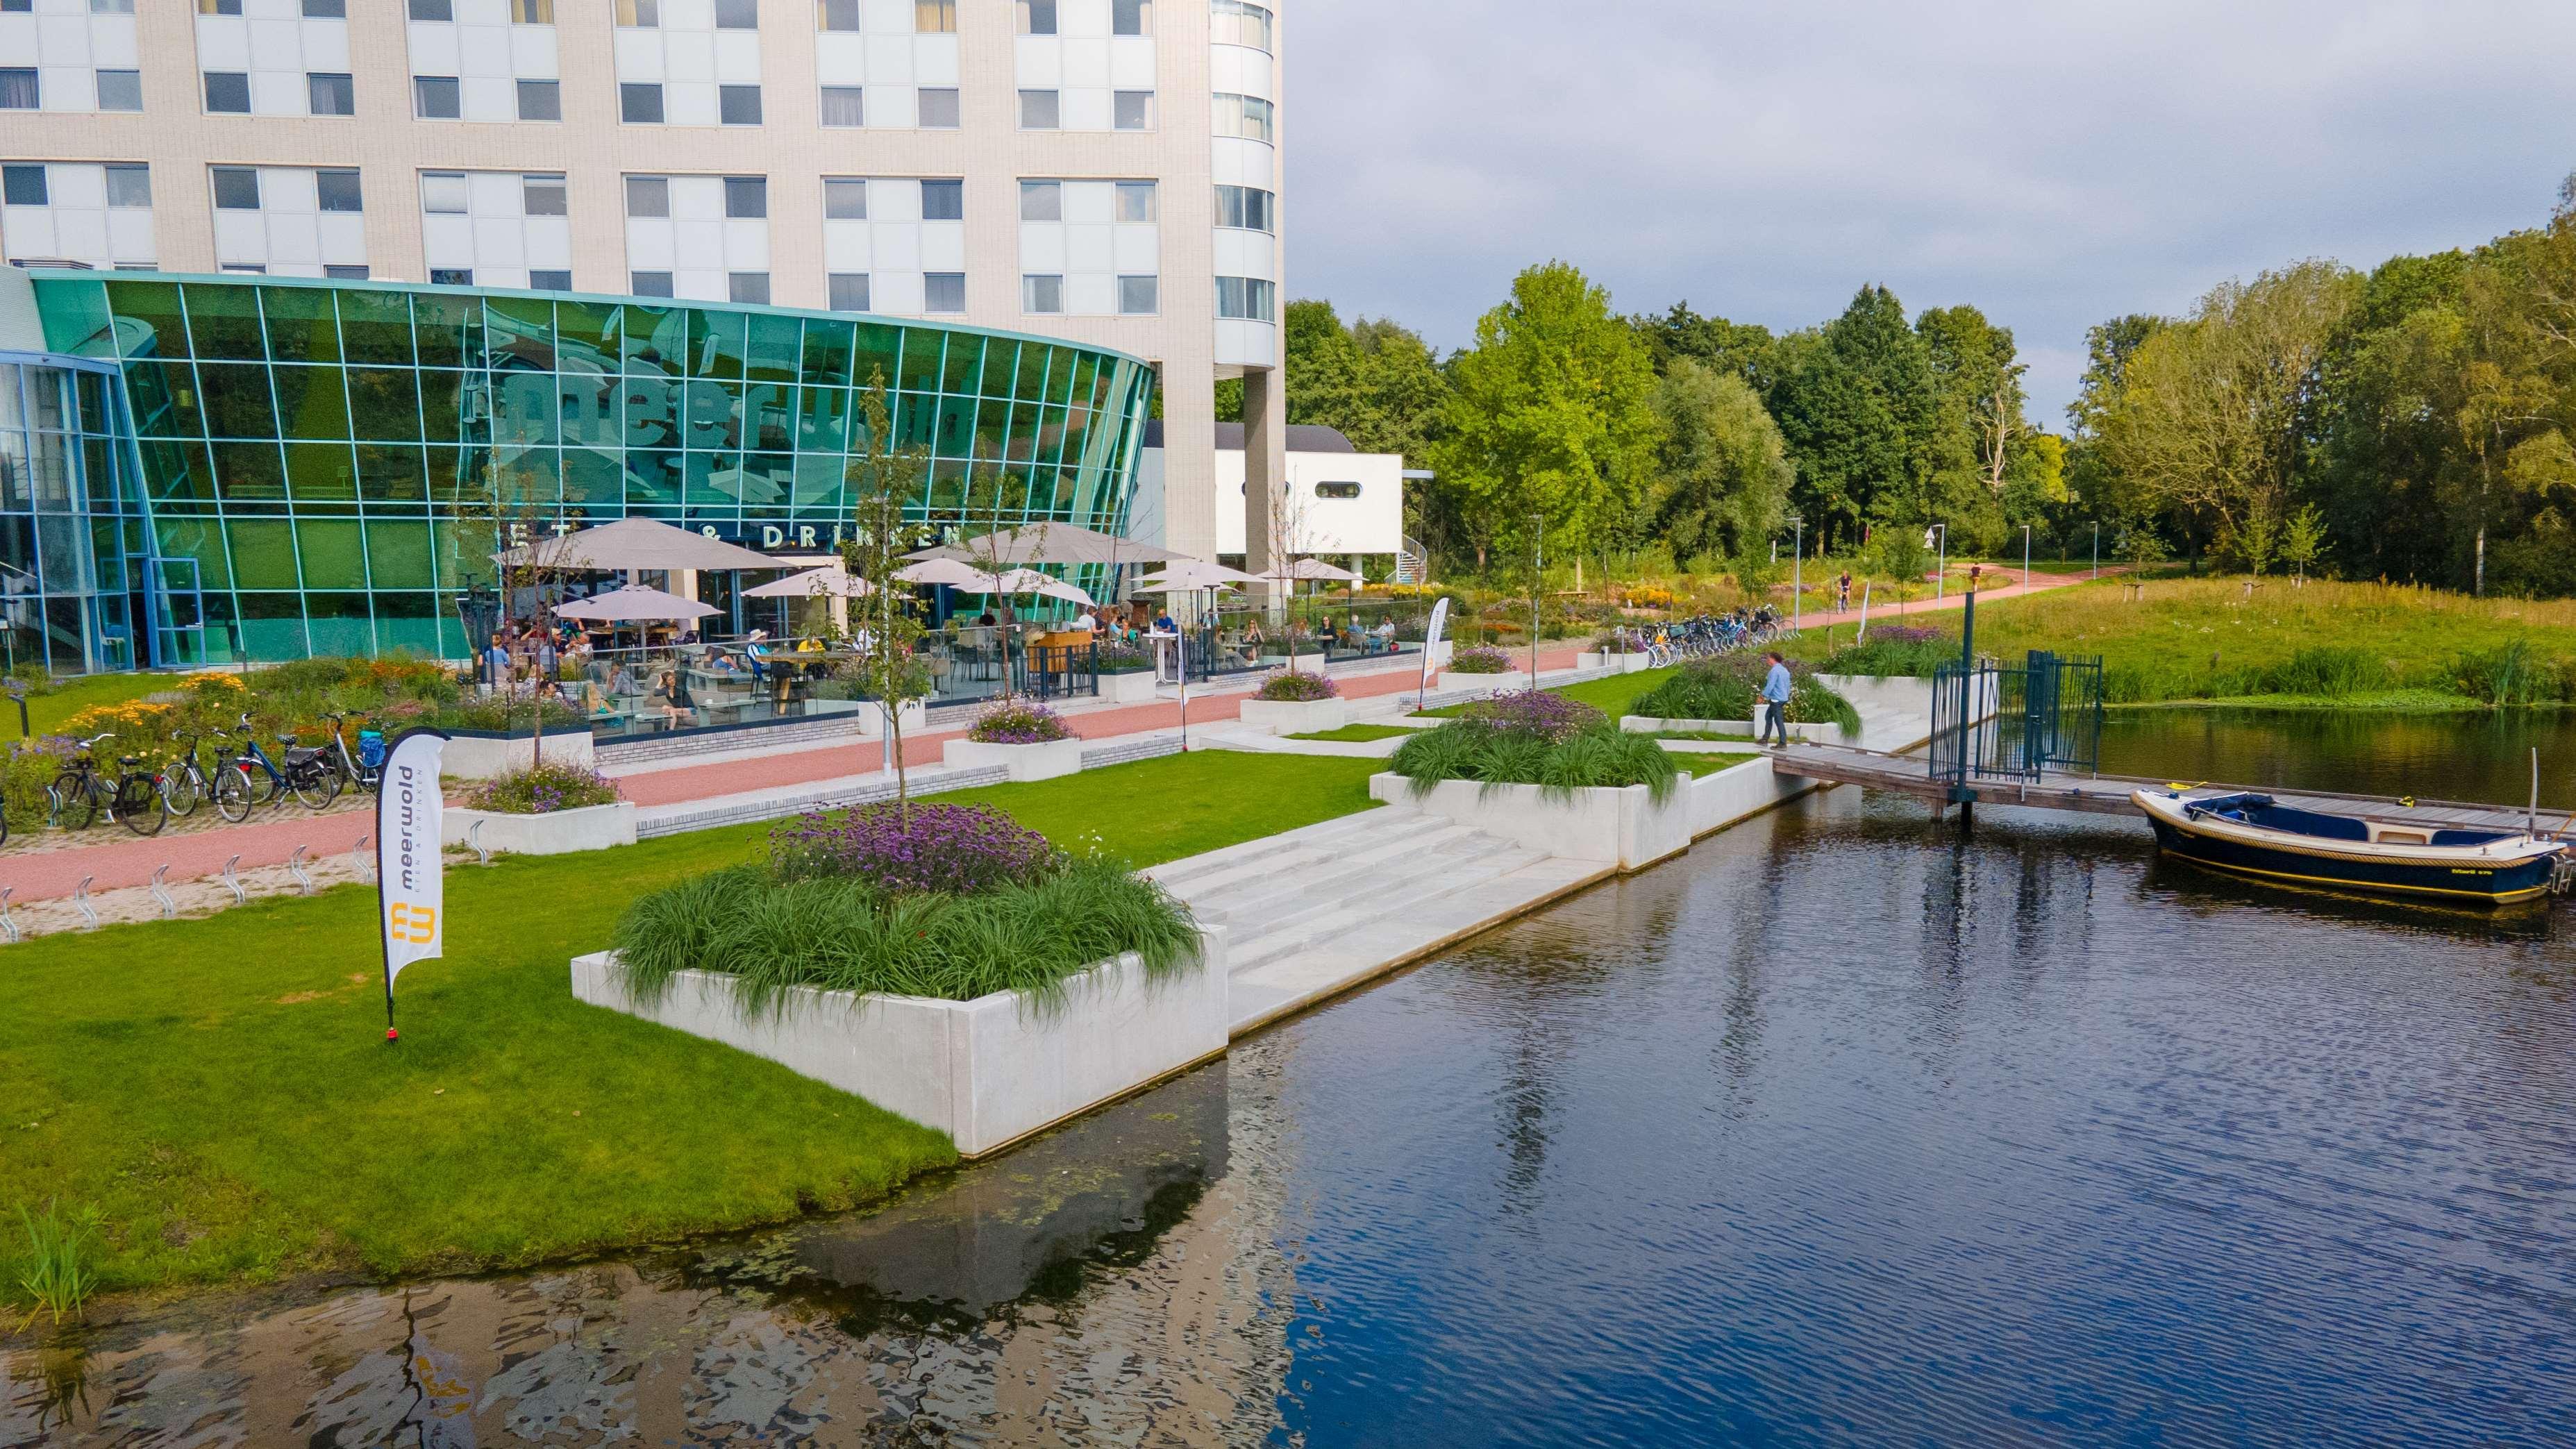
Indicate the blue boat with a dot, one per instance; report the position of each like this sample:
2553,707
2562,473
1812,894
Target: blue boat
2253,835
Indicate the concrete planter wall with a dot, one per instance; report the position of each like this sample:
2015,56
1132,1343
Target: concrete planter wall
1025,762
1440,653
871,717
1624,663
1510,681
481,757
1136,686
1718,801
1623,826
594,827
1642,724
1296,716
986,1072
1895,711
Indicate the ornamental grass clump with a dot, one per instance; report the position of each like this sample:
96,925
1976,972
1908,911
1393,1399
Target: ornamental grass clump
1908,651
958,849
1018,722
1296,686
550,787
1729,687
1482,659
1536,738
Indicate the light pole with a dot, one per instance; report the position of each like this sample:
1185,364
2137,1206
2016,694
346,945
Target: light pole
1538,568
2025,558
1941,566
1797,572
2097,548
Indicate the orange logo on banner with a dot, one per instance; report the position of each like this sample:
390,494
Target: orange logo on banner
413,923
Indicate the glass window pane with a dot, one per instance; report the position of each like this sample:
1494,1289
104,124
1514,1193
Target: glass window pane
715,343
738,105
849,291
391,473
1041,201
845,198
775,348
302,325
237,400
249,472
937,109
943,200
326,471
310,403
398,553
844,106
540,100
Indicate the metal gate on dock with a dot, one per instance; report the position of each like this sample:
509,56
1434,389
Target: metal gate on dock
1991,721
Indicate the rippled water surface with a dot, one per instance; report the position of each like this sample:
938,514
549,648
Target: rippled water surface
1842,1129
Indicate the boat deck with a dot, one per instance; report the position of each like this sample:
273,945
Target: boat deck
2109,794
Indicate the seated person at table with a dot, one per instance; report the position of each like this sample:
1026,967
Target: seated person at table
1386,633
1252,635
622,681
809,646
756,649
676,703
1163,623
722,663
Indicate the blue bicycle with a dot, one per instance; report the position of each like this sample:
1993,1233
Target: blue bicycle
251,778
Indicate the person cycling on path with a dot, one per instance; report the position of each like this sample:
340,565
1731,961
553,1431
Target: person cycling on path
1775,701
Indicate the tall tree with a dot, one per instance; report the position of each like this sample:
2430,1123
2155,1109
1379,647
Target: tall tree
1861,410
1550,415
1723,480
1742,348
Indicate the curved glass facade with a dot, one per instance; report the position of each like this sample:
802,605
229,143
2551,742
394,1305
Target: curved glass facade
300,452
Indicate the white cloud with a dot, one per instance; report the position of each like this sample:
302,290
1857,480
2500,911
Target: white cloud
2052,161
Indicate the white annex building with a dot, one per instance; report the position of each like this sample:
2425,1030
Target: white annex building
1106,171
1335,501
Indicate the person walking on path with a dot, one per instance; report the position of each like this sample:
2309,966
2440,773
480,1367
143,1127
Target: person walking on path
1775,701
1842,593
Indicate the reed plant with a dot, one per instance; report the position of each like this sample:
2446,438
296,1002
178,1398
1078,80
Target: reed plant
60,1269
1729,687
1536,738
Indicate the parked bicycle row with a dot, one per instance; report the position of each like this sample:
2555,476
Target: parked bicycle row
237,776
1704,636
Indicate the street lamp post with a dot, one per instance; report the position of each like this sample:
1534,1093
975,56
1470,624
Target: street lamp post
1797,573
1941,566
2025,558
2097,548
1538,568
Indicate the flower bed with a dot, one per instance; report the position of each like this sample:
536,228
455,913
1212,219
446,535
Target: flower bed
1482,659
1293,686
1017,722
543,790
1896,650
1729,687
1535,738
956,849
1296,703
1024,737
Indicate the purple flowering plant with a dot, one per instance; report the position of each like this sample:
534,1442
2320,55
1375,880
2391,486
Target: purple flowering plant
1296,686
1482,659
550,787
946,849
1536,713
1017,722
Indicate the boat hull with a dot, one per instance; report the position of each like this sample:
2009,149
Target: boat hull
2499,883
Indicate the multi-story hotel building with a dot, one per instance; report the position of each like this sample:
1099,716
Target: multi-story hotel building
1102,172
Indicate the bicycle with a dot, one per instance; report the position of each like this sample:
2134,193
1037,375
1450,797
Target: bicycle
307,774
184,784
365,769
134,801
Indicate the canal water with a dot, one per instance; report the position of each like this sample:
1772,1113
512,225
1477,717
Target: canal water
2482,757
1843,1128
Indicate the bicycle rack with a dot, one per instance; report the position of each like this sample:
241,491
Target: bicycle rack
80,898
232,882
7,923
161,893
295,868
474,839
358,860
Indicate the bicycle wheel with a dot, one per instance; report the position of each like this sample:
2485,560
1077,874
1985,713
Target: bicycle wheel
315,785
139,806
183,790
75,805
232,795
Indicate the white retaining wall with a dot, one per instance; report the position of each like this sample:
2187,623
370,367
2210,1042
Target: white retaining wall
1623,826
561,832
1024,762
1296,716
986,1072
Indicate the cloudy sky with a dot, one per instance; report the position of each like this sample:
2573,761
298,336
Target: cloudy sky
2054,162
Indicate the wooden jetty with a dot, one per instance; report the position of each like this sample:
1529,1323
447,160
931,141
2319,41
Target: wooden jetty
2109,794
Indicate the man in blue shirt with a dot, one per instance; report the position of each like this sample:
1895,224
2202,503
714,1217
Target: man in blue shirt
1775,701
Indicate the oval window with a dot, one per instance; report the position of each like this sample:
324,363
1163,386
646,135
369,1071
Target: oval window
1337,490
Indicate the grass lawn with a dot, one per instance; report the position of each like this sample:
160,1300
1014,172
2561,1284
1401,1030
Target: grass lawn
1697,765
1358,734
46,712
219,1089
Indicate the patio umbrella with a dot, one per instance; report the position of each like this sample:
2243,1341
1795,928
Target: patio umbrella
1311,568
1185,574
960,575
636,544
831,580
1050,543
633,604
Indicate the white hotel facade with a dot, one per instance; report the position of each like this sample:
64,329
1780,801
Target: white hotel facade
1106,171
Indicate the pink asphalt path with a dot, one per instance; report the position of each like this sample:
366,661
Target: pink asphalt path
127,861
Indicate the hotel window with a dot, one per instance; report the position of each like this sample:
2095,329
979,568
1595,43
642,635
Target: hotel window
22,185
639,103
1245,116
1249,299
751,287
737,14
648,196
1248,208
1038,110
1140,296
17,7
1234,22
129,185
849,291
253,269
845,198
1041,201
746,196
934,17
345,272
545,279
219,7
313,9
227,92
1131,17
1042,295
451,276
120,90
330,95
836,15
540,100
1131,111
738,105
433,9
1337,490
943,292
643,15
18,90
1136,201
542,196
236,188
649,284
434,97
532,12
1037,17
938,109
337,190
111,7
845,106
943,201
442,193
